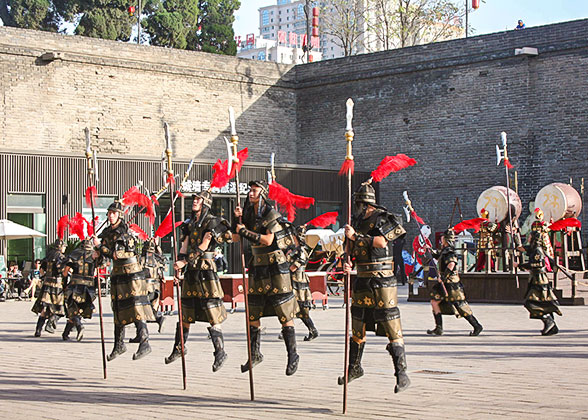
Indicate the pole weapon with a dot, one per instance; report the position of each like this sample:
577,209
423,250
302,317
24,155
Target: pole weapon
93,179
235,159
170,184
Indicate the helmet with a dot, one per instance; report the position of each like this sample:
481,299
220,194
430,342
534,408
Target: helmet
150,246
365,194
539,214
87,245
116,206
261,184
484,214
206,197
449,236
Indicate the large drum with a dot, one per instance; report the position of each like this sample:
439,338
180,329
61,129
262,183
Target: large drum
558,201
495,201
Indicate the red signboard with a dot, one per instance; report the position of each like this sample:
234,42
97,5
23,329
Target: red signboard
281,37
250,39
293,39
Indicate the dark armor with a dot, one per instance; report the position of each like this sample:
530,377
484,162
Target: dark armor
81,290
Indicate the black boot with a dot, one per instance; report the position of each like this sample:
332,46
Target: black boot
79,328
549,327
290,339
256,356
39,328
51,324
144,347
160,319
136,339
354,370
177,350
396,350
312,331
119,342
220,356
68,327
474,323
438,330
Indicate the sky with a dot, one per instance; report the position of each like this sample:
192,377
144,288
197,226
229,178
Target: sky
492,16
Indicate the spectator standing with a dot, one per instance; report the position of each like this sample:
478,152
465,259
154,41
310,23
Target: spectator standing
520,25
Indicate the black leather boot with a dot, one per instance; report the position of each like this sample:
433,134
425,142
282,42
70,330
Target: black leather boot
144,347
119,342
39,328
549,327
220,356
68,327
177,350
354,370
290,339
396,350
312,331
474,323
438,330
136,339
51,324
160,319
256,356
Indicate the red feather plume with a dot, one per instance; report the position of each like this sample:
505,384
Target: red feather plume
288,201
563,224
508,164
166,226
242,156
391,164
91,194
134,197
324,219
154,200
77,224
469,224
348,166
417,217
90,226
220,178
62,224
140,232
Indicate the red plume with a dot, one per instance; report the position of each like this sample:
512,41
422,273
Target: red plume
220,178
91,193
166,226
90,227
508,164
62,224
179,193
563,224
242,155
417,217
287,200
324,219
134,197
140,232
77,224
170,179
392,164
347,166
154,200
469,224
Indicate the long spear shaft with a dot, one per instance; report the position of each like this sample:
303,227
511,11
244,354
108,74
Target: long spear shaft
91,172
170,173
235,142
512,241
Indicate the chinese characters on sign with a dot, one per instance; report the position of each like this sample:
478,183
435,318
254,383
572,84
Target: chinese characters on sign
197,186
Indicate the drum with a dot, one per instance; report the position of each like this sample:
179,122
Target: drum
558,201
495,200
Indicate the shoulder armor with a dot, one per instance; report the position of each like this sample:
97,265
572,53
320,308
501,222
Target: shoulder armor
389,227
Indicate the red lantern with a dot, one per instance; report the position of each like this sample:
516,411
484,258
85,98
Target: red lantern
475,4
131,10
315,31
315,11
315,22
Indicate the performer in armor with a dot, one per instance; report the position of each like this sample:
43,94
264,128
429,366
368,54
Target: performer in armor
486,242
202,293
447,295
270,286
540,300
81,289
374,294
49,304
153,263
542,228
298,254
128,288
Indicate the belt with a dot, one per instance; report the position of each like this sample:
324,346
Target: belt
260,250
84,281
269,258
375,266
125,261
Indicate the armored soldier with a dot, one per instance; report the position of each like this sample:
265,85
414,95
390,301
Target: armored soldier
81,289
447,295
153,263
128,288
540,300
50,303
202,293
270,286
486,240
374,294
541,227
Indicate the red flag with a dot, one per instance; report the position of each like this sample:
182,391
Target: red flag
165,227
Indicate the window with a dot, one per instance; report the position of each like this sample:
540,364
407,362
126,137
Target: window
300,9
264,17
261,56
27,210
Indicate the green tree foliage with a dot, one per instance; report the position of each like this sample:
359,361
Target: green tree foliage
215,24
108,19
169,23
29,14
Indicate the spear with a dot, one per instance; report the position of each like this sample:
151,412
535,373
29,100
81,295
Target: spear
170,177
235,143
92,179
347,169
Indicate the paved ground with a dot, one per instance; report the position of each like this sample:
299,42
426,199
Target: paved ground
496,375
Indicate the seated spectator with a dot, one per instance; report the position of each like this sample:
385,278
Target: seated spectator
16,275
34,279
520,25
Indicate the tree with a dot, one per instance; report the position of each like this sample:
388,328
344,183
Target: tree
344,21
29,14
170,23
215,27
108,19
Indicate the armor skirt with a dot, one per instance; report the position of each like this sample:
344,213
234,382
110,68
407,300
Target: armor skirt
202,297
454,303
129,298
79,297
50,301
301,289
540,299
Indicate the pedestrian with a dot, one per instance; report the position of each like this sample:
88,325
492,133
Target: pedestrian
222,266
520,25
